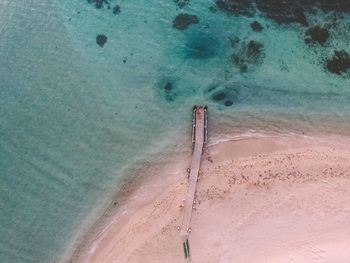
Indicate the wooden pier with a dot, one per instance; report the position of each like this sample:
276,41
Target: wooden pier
199,138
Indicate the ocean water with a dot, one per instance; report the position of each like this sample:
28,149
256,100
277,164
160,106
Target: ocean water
75,112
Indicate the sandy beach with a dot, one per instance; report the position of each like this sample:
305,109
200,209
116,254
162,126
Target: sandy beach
271,199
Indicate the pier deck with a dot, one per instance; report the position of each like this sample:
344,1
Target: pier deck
199,133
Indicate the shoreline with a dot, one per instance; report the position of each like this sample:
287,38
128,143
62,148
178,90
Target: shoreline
151,190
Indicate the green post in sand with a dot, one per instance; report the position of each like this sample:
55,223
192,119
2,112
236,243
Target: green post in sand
185,250
186,246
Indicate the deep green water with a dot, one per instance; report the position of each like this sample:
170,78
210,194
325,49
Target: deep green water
73,113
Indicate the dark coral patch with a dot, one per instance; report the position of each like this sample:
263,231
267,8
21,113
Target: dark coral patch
339,6
167,89
181,3
236,7
316,35
295,11
182,21
256,26
339,63
101,40
285,11
98,3
249,54
254,50
212,9
105,4
116,10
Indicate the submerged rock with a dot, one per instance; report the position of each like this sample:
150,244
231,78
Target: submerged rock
219,96
101,40
339,63
256,26
168,86
249,54
236,7
224,97
182,21
228,103
228,95
316,35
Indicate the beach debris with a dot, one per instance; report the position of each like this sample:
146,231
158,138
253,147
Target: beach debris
183,21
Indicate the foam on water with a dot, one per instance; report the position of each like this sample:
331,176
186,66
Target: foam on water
74,113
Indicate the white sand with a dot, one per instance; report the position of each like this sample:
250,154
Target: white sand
258,200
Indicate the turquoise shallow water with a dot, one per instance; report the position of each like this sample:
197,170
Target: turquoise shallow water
73,113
